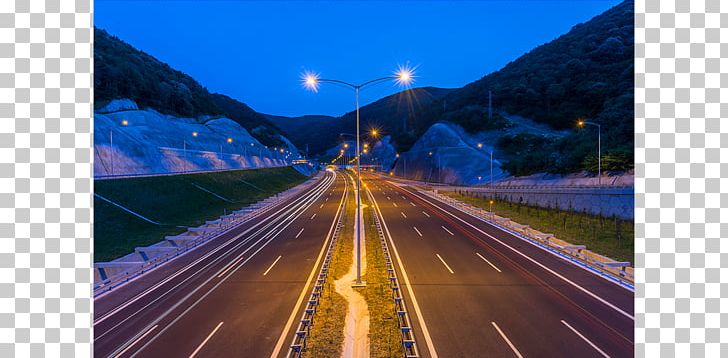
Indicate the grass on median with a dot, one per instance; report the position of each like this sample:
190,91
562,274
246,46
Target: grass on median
327,334
384,336
612,237
176,200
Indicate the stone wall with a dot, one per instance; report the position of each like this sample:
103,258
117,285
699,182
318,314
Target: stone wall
596,201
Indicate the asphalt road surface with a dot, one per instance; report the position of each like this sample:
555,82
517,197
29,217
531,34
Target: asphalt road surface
239,295
474,290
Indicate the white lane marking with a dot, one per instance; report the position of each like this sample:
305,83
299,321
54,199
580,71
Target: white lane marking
313,216
426,214
231,265
418,231
137,340
418,312
205,341
327,199
302,295
322,205
444,263
413,204
402,196
585,339
448,231
489,263
271,265
403,215
518,354
395,205
299,233
388,198
582,289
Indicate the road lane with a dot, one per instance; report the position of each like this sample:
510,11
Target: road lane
275,239
520,296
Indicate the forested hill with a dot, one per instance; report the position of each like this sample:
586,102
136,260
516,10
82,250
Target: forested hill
585,73
122,71
580,74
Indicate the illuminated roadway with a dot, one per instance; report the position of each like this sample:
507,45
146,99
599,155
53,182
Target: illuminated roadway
233,302
472,290
482,292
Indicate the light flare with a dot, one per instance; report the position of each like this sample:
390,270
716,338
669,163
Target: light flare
405,75
310,80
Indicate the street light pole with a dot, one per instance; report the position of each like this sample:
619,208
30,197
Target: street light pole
111,142
491,168
599,147
312,81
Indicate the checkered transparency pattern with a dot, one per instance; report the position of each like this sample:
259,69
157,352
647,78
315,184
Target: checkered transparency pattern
681,97
45,178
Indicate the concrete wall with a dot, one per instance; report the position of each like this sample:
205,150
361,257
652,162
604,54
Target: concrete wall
597,201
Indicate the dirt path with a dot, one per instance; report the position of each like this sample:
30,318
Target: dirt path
356,327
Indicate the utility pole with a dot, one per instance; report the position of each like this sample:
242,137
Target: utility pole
111,142
491,168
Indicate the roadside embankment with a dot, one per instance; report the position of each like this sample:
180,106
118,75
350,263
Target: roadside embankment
175,202
607,235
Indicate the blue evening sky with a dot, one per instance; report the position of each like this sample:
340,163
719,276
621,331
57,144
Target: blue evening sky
255,51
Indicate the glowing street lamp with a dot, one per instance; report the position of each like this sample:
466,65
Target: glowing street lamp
581,123
404,76
184,152
124,123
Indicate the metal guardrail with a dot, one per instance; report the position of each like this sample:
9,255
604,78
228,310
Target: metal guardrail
403,320
246,214
298,346
616,270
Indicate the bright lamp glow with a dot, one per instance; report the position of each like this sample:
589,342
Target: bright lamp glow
310,81
229,140
405,75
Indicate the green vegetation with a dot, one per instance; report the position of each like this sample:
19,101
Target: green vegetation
384,336
327,334
611,237
176,200
122,71
475,119
586,73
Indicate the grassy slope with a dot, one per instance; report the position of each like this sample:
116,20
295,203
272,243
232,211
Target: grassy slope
607,236
174,200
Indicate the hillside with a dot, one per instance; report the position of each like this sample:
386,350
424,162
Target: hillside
319,132
394,114
123,72
586,73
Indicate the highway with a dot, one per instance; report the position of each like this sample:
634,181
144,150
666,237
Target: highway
238,295
474,290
